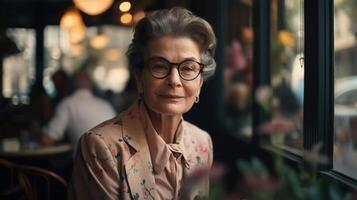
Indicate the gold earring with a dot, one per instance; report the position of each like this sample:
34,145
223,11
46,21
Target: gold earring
197,99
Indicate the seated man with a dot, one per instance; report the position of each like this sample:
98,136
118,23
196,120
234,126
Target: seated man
76,113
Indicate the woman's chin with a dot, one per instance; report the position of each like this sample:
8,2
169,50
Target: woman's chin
169,109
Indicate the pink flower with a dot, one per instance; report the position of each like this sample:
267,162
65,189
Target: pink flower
260,184
276,126
201,148
228,73
235,56
136,159
217,171
314,156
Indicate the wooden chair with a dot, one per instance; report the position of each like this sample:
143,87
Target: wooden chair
39,183
9,186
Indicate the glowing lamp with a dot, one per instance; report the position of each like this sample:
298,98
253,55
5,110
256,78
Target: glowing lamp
126,18
125,6
93,7
71,19
99,41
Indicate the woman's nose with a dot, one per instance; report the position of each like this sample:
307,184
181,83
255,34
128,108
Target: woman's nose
174,79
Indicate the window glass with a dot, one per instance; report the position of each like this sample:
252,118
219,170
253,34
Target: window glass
101,49
238,68
287,74
19,68
345,71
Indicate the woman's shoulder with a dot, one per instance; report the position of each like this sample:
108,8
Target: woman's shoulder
109,131
198,146
195,132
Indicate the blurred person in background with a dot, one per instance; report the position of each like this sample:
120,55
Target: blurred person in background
77,113
40,104
149,150
63,86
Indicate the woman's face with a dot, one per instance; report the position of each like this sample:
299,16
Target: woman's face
171,95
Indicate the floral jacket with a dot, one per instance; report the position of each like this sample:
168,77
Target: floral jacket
113,160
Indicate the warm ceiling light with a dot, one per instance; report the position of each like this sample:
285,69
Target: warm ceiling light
125,6
76,49
112,54
93,7
126,18
99,41
71,19
77,34
138,16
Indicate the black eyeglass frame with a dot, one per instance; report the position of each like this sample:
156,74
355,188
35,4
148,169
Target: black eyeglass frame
177,65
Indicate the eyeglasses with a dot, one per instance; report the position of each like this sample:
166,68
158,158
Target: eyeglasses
160,68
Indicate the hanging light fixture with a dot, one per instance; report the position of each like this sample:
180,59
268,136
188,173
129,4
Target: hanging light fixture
126,18
77,35
93,7
71,19
125,6
99,41
72,22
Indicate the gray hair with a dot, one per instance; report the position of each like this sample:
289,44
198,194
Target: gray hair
176,21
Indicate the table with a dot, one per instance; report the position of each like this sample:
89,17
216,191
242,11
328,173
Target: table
38,152
57,158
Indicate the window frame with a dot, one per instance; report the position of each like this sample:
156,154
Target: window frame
318,120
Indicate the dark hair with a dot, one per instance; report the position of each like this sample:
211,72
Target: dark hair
176,21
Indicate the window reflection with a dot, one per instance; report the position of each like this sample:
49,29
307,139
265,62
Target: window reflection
238,69
345,49
19,69
101,51
287,73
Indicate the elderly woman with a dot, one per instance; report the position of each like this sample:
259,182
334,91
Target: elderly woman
148,151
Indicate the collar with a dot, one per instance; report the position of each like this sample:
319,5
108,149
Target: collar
160,151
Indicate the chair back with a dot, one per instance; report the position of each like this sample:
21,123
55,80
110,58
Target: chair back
9,186
39,183
7,173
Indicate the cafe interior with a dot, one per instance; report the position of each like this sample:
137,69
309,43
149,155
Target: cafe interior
276,60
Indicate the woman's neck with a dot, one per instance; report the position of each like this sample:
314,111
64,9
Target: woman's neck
165,125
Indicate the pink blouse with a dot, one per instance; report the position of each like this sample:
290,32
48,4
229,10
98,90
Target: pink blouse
125,158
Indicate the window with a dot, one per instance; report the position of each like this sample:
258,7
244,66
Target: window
101,49
238,69
19,69
345,81
287,70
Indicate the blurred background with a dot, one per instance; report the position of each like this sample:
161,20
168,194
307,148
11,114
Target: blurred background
259,88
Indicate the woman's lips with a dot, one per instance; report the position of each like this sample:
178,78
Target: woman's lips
172,97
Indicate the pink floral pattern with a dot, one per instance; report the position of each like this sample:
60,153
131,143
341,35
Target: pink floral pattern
117,160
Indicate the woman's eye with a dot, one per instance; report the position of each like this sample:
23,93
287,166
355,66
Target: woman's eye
159,67
190,67
187,68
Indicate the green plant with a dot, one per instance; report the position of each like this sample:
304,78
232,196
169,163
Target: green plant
288,183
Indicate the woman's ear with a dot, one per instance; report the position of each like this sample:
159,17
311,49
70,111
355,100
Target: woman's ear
201,82
199,89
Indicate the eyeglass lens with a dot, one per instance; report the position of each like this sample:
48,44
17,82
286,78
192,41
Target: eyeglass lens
188,69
